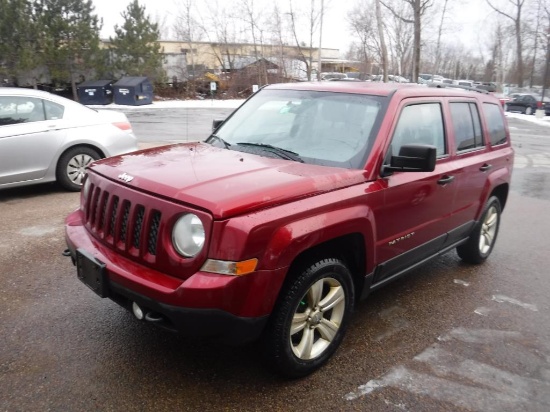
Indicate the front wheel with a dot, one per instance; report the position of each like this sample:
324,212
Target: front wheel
310,318
72,164
482,240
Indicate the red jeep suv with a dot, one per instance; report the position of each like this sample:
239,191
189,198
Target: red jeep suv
304,200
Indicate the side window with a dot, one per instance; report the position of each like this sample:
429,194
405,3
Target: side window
466,126
420,124
495,124
53,110
17,109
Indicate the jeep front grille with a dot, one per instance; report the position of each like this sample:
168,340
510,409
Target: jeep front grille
125,226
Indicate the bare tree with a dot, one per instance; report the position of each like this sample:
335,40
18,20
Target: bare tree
439,34
419,8
252,21
383,48
305,50
516,18
400,40
188,30
362,23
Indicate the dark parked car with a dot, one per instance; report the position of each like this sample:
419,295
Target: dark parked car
524,103
306,199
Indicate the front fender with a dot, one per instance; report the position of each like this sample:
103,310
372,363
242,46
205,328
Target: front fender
294,238
277,235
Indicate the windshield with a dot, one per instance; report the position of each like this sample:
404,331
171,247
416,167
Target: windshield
325,128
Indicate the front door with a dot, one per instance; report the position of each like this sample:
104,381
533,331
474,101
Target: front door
414,220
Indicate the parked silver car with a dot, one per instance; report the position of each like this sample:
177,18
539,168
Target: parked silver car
44,137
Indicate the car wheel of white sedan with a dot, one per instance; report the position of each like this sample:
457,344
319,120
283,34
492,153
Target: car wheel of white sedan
71,167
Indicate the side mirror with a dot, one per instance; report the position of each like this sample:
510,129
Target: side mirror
216,124
412,158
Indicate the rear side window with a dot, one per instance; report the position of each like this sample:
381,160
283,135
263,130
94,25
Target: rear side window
495,124
467,126
54,111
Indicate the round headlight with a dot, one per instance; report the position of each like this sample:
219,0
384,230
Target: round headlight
188,235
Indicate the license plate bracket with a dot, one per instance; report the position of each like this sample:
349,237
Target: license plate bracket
92,273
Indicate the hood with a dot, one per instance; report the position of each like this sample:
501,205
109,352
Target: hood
224,182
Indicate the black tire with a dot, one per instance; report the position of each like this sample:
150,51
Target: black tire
529,110
71,166
482,239
318,332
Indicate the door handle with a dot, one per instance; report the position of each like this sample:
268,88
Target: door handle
445,180
485,167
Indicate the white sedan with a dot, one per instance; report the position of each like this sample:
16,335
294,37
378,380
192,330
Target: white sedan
44,137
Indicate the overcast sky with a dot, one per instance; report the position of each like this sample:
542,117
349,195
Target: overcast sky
466,17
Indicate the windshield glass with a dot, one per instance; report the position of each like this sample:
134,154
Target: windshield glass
325,128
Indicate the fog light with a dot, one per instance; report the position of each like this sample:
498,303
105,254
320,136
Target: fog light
137,311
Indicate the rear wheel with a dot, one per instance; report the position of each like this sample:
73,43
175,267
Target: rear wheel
71,167
528,110
482,240
310,318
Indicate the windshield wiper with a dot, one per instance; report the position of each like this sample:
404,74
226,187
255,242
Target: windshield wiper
283,153
219,139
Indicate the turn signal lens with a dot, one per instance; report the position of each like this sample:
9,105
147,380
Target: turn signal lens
230,268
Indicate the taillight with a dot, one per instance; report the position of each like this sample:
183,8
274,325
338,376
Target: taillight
539,105
123,125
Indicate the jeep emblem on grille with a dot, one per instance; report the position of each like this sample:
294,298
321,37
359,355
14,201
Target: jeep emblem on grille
126,177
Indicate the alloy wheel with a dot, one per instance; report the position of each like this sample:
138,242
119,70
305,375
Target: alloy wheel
488,230
317,318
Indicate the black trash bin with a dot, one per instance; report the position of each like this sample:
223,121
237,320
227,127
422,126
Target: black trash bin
133,91
95,92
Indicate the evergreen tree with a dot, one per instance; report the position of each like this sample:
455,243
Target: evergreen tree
69,41
136,51
19,51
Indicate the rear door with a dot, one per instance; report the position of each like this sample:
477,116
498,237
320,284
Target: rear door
471,164
30,136
413,221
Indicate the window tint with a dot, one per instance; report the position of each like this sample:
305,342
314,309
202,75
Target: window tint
495,124
420,124
466,126
18,109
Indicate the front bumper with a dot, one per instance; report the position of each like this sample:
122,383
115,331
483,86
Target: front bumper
228,308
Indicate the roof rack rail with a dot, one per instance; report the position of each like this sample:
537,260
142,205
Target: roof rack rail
457,86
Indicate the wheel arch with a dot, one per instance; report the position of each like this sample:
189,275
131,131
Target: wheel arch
349,249
501,192
73,146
